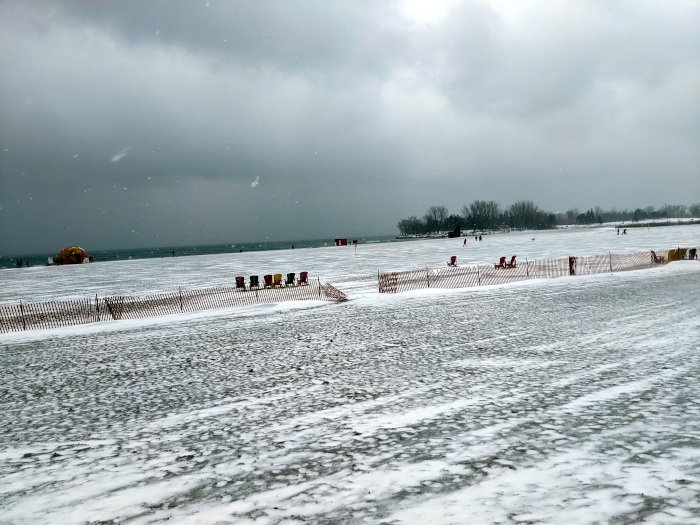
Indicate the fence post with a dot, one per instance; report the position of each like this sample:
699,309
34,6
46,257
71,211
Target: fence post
478,275
97,309
427,276
21,311
610,257
179,289
527,268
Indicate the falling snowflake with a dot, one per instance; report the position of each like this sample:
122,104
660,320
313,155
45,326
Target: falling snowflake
120,154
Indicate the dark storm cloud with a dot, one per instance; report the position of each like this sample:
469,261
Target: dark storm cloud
305,35
137,123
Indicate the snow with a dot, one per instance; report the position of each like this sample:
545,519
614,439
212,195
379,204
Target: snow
352,271
570,400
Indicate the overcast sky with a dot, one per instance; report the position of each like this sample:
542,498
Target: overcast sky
147,123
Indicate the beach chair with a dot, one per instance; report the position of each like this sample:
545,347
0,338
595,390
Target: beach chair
290,279
692,254
657,259
452,261
240,283
511,264
268,280
501,263
277,280
254,282
303,278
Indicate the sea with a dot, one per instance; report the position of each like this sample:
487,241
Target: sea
42,259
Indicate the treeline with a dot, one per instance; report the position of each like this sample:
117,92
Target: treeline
488,215
598,215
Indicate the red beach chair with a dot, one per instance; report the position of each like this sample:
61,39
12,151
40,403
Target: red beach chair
657,259
501,263
303,278
268,281
511,264
452,261
240,283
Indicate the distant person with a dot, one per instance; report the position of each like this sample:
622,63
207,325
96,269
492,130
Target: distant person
465,243
479,238
624,232
618,231
292,246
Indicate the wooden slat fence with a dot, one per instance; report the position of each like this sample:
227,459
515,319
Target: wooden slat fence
56,314
31,316
480,275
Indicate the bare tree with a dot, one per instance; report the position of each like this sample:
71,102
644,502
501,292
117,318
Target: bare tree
435,217
485,215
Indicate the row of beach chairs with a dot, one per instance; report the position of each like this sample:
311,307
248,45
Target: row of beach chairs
272,281
676,254
501,263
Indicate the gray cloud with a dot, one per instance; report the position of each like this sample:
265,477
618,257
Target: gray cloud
143,123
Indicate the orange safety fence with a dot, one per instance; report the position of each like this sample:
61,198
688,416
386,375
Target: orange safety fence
56,314
480,275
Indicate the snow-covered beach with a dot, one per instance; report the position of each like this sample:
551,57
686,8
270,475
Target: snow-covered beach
570,400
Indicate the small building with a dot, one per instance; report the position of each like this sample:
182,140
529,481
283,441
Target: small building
504,228
341,241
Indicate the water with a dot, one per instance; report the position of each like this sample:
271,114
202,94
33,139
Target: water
40,259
